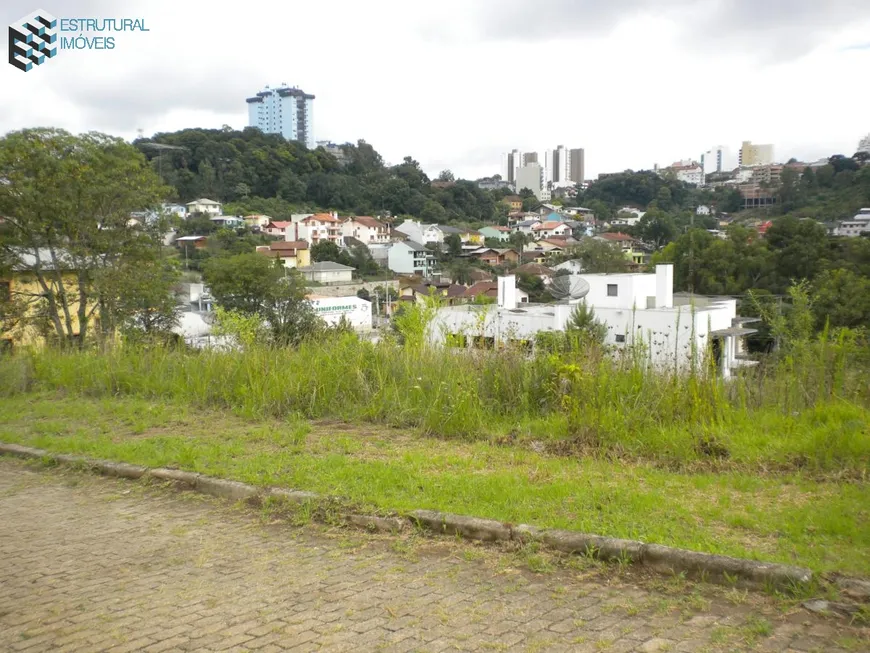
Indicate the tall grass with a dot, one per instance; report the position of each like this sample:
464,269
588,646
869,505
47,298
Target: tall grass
807,410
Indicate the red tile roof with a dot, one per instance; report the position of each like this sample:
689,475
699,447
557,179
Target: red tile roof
536,269
278,224
368,221
323,217
488,288
616,236
288,244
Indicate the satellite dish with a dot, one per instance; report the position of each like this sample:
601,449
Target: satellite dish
568,288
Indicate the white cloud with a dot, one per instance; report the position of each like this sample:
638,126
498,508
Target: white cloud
454,84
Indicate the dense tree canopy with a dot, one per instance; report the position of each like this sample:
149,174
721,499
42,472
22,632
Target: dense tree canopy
255,172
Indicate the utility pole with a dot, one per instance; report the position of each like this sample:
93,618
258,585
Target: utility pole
692,252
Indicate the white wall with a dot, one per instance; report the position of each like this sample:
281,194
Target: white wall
632,290
357,311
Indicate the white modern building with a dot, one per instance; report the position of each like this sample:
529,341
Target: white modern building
355,310
411,257
857,226
717,159
638,309
864,144
564,166
204,206
284,110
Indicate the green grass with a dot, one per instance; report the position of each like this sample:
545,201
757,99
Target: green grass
792,517
810,416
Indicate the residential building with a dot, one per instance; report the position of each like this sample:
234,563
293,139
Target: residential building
436,233
564,166
494,256
496,233
411,257
550,228
490,289
755,155
471,236
21,284
228,221
538,251
177,210
413,229
354,310
449,292
492,183
327,272
319,227
204,206
638,309
280,228
365,229
257,221
513,202
511,162
687,171
527,226
338,151
284,110
530,177
857,226
864,145
193,242
291,253
631,247
717,159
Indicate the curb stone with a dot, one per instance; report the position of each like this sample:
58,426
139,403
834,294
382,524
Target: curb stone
655,556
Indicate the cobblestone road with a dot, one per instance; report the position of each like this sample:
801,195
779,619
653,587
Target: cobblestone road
92,564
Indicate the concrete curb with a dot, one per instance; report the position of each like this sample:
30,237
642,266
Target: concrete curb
654,556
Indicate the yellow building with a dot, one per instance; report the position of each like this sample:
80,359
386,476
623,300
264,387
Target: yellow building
755,155
471,236
26,320
292,253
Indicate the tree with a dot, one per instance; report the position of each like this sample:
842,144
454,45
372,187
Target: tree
446,175
657,227
66,202
242,190
518,240
140,299
454,245
242,283
841,298
460,271
583,324
325,250
600,256
289,315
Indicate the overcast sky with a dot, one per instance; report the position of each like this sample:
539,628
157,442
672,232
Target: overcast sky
455,83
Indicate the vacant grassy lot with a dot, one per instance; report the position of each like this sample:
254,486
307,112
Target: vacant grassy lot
797,517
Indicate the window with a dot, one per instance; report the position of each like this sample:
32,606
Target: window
612,290
620,337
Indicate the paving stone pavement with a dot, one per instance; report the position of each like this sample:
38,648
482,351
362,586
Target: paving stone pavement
94,564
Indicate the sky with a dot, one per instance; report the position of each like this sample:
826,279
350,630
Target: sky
455,83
